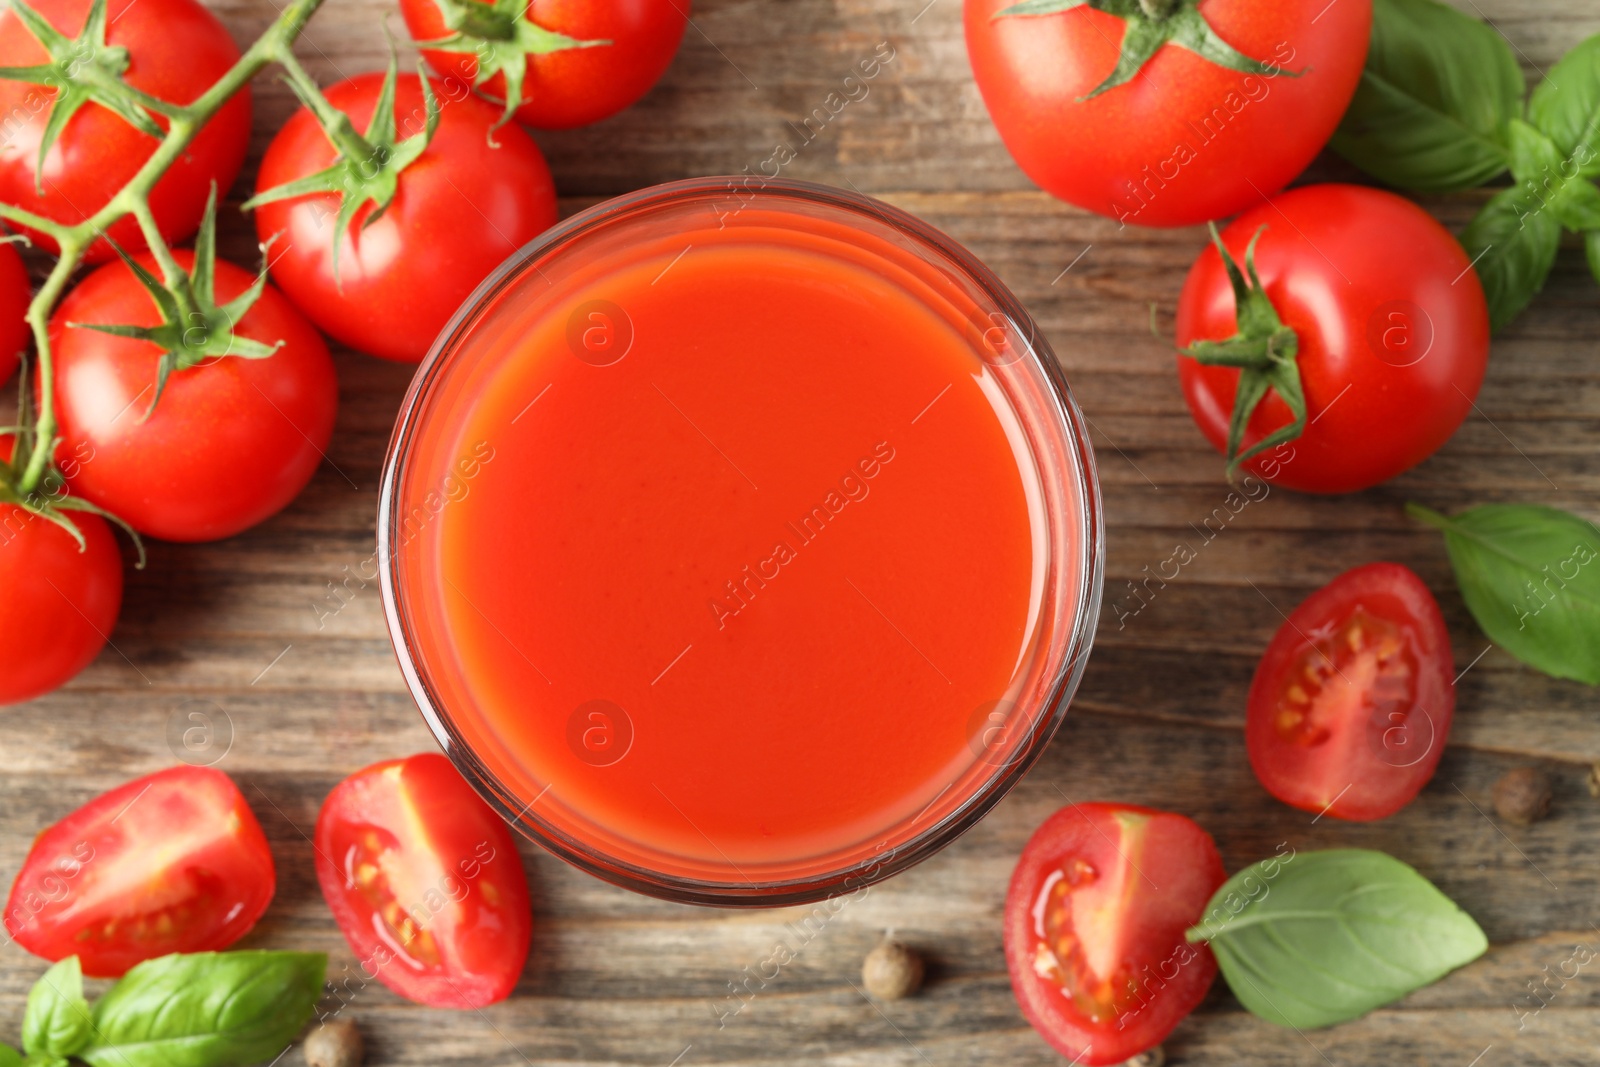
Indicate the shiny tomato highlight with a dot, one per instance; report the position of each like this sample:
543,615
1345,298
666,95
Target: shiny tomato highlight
1094,928
171,862
1351,704
425,881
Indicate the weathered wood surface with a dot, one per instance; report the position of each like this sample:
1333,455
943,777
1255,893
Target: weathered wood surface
240,630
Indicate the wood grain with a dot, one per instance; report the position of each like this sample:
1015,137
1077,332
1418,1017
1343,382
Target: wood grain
242,630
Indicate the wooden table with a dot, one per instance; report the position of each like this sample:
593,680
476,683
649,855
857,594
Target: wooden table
230,630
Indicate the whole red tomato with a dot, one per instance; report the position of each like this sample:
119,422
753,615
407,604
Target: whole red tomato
231,441
171,862
461,208
1094,928
14,296
620,49
1186,139
425,881
176,50
1352,701
1391,325
59,603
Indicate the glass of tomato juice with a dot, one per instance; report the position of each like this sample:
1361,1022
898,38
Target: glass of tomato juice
741,541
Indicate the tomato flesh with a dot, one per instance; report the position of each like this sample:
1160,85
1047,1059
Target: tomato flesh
425,882
1094,928
1352,702
171,862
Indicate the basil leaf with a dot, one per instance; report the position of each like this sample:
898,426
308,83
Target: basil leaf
1321,937
56,1022
208,1009
1512,243
1591,249
1550,180
1531,577
1566,106
1430,112
10,1057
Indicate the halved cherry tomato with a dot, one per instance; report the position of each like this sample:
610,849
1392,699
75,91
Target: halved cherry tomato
175,50
1351,703
14,296
424,880
171,862
1094,928
230,443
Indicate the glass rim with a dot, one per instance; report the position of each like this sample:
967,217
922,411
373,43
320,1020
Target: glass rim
916,847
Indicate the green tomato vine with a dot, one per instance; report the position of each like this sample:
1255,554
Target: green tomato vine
82,70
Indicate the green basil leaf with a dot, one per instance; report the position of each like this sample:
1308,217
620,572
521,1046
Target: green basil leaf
56,1022
208,1009
1512,243
1531,577
1534,157
1577,205
1566,106
1429,114
1318,938
1591,249
10,1057
39,1059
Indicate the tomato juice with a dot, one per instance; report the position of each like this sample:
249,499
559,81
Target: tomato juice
741,546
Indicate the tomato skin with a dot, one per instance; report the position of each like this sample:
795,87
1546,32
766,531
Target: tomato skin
1371,768
409,837
575,86
177,50
461,209
1338,261
15,292
59,604
231,442
1161,870
91,871
1143,152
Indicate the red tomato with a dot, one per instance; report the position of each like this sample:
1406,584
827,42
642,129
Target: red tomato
1393,335
573,86
59,605
231,441
1351,704
461,209
176,51
1185,140
1094,928
425,882
171,862
14,296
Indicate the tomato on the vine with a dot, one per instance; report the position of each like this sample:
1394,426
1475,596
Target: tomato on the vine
425,881
14,296
60,602
572,62
1368,331
1095,920
171,862
230,442
387,283
1179,112
170,49
1351,704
